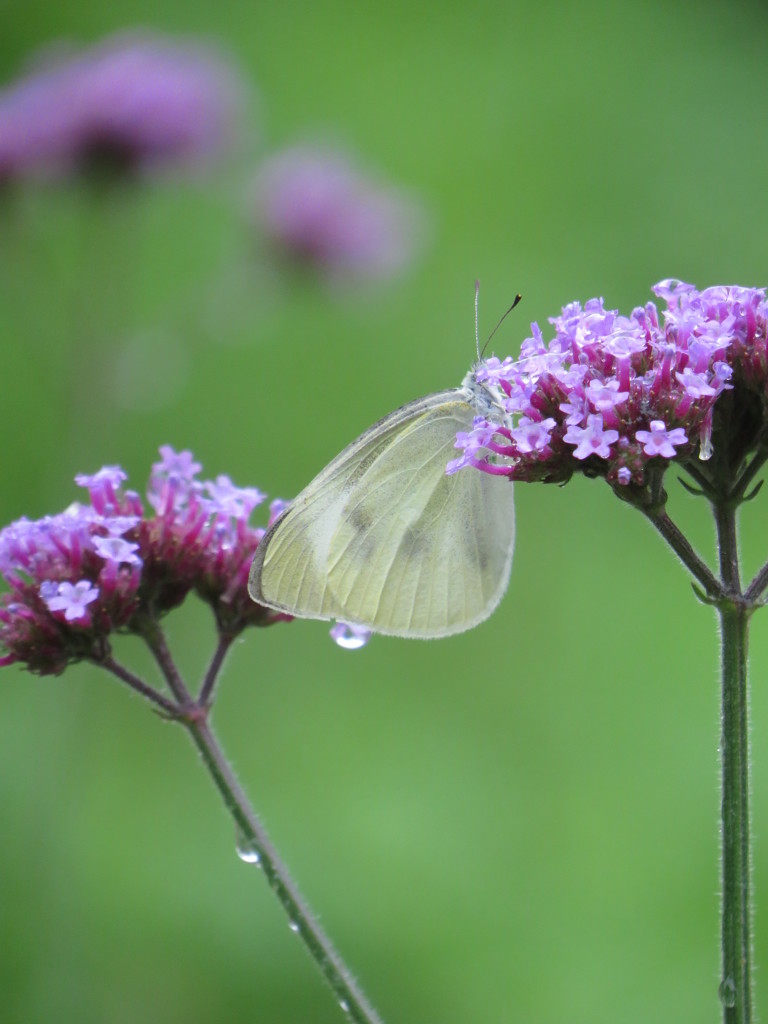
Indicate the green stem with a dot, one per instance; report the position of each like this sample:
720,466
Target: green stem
757,587
212,674
749,474
734,611
684,551
251,833
150,629
126,676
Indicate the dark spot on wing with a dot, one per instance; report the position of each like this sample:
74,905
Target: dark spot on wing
360,519
415,542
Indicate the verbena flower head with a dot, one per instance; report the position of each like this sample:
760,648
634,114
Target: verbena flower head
618,396
320,211
75,578
134,103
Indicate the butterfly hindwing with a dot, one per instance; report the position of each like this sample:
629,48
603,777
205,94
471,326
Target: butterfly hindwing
404,553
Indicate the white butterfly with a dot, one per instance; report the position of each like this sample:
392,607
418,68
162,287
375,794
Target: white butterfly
383,538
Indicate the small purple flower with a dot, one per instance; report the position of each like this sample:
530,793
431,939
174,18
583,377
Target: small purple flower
532,435
660,441
592,439
76,578
629,389
102,487
133,103
576,409
116,526
180,465
70,598
625,343
117,549
231,500
694,384
319,211
276,509
604,395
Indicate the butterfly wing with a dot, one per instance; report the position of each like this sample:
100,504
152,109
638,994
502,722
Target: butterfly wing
385,539
289,570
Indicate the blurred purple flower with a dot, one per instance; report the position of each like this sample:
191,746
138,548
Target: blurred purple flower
320,211
133,103
75,578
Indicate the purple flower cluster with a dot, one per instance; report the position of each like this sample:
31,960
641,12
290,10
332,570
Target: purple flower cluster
133,103
76,577
610,394
319,211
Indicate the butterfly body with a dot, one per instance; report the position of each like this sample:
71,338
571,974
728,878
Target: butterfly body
385,539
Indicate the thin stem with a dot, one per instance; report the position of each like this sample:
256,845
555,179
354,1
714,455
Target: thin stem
222,649
251,833
685,552
152,632
750,472
735,985
727,545
351,999
126,676
697,474
757,586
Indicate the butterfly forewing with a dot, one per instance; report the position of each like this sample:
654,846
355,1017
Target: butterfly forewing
384,538
289,570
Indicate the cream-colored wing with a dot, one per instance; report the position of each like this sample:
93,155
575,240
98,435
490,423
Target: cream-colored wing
289,570
417,553
385,539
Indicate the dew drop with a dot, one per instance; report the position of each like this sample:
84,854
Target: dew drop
727,992
293,925
349,636
344,1005
246,849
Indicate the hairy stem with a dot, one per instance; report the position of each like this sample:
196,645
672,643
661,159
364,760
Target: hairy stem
217,661
351,999
757,587
685,552
736,921
126,676
152,633
754,467
193,714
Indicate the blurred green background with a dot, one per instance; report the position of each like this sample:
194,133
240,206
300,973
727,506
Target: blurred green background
516,824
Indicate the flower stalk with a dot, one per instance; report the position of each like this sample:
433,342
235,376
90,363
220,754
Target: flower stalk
736,921
734,609
735,985
622,398
252,836
114,565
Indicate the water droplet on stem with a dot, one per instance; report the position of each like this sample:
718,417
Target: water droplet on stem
246,848
727,992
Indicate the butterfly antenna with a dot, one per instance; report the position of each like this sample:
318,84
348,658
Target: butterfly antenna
518,297
477,325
